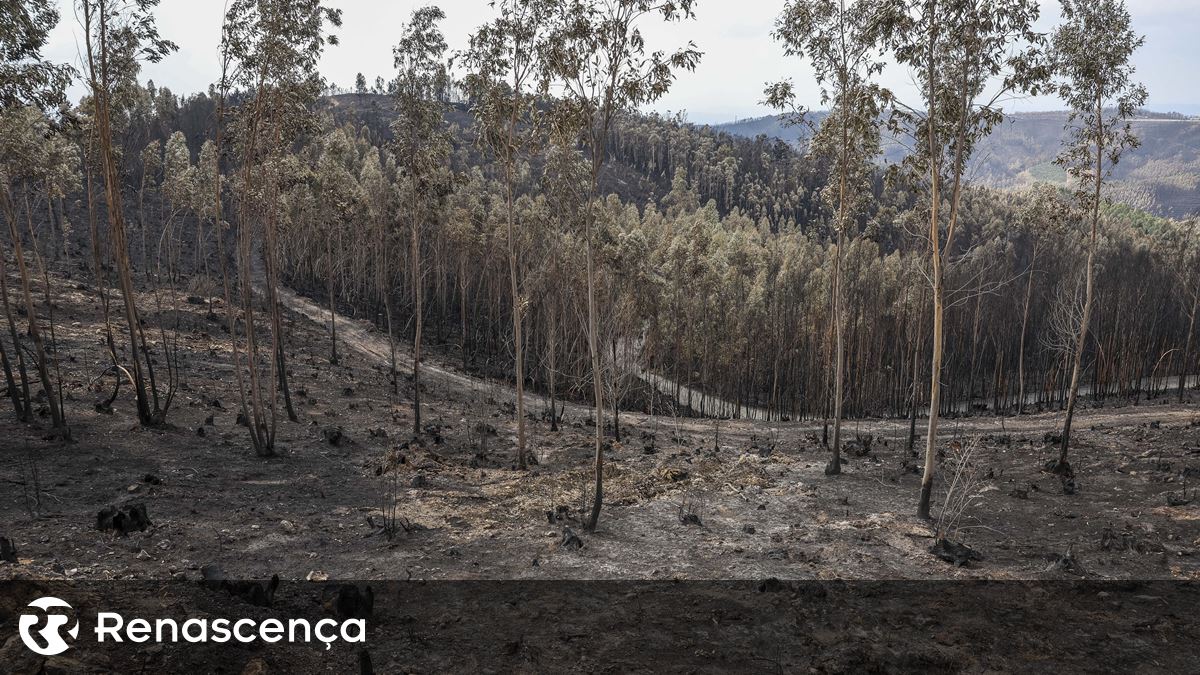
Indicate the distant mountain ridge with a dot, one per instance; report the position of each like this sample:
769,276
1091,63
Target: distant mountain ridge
1161,176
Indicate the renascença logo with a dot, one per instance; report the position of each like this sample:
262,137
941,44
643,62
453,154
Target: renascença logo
112,627
52,641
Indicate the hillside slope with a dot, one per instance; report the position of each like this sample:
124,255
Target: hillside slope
1162,176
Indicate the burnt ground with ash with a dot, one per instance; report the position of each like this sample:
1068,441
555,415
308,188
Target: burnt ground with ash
685,498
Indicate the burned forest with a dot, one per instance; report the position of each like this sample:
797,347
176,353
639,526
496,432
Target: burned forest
500,356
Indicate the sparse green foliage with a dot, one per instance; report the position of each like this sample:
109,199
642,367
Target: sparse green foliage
508,79
26,143
598,56
1091,54
272,47
118,36
966,56
26,78
843,44
422,148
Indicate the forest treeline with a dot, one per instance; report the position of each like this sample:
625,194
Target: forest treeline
1161,177
512,206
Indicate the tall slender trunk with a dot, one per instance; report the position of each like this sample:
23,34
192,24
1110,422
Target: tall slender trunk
246,214
835,464
230,312
839,366
935,388
417,310
333,353
35,334
616,395
597,384
940,255
599,136
935,379
827,383
552,366
1024,332
57,391
278,345
22,403
100,80
517,310
101,282
1089,292
915,389
1187,345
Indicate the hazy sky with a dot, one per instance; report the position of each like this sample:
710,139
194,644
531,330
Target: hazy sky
739,55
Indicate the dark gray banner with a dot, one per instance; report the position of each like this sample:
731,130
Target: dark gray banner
766,626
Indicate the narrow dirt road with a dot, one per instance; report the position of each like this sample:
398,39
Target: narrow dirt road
365,338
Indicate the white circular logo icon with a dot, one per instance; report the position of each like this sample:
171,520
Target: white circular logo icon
48,640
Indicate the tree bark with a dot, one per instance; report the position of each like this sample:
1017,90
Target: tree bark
517,310
1089,291
22,403
935,381
1187,345
333,353
1024,332
597,384
116,213
415,252
35,334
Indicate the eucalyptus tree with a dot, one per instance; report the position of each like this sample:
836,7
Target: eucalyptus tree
31,148
966,56
843,44
178,189
377,181
600,63
508,77
92,165
422,147
27,78
335,186
565,182
117,36
208,183
213,183
1091,54
1183,238
29,83
23,132
1044,215
151,159
274,47
59,176
10,127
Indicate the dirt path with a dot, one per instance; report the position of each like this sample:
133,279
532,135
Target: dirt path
761,503
364,337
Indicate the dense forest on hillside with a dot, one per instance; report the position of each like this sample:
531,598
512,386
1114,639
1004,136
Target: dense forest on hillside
695,213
